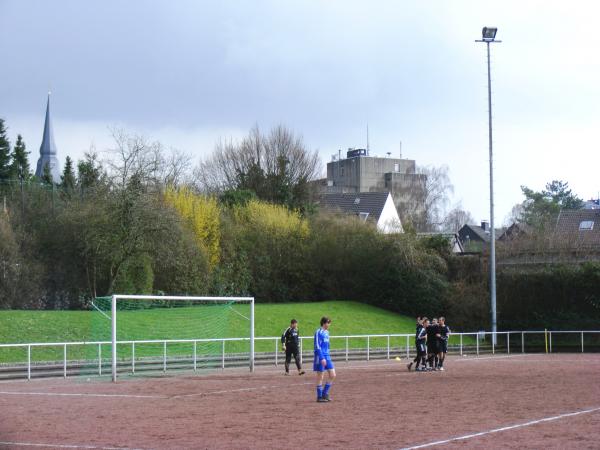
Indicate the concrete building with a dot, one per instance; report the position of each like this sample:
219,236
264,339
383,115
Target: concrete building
48,150
360,172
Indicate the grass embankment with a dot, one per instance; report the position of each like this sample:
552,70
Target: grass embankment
349,318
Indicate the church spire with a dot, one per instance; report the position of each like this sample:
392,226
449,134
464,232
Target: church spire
48,149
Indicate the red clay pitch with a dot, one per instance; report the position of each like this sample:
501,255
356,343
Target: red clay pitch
376,405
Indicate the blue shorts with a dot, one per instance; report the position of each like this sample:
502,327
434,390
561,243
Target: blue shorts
318,367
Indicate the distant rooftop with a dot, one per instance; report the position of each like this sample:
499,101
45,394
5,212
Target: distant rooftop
370,203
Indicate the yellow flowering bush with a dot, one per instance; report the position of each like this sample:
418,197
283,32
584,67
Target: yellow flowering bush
203,215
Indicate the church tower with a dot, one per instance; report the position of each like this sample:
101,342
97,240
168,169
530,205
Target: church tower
48,150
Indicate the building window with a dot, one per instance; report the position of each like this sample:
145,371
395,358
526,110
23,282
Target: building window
342,171
586,225
363,216
396,167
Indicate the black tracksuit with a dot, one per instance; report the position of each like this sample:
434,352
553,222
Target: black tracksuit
444,332
421,340
418,331
291,339
432,339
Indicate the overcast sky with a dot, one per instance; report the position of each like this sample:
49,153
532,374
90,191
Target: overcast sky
189,72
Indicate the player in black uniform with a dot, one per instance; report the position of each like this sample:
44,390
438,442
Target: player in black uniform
418,357
432,343
444,331
422,345
290,339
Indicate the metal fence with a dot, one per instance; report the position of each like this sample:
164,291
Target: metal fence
65,357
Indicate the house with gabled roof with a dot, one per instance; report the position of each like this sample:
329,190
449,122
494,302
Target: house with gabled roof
579,228
514,231
374,207
475,237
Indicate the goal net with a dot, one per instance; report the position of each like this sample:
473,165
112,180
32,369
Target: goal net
147,333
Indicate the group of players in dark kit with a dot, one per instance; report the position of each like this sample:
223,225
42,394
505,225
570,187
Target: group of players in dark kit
432,344
431,340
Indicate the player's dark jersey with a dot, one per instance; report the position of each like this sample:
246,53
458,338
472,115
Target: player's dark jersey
290,337
444,332
432,330
421,336
419,328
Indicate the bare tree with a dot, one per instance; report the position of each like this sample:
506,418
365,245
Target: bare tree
177,168
259,162
429,199
456,218
515,215
136,156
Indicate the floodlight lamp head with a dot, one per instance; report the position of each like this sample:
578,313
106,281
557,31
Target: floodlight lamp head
488,34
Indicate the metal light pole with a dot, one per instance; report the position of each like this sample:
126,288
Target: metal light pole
488,35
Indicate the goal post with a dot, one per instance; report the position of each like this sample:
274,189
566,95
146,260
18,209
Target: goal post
176,299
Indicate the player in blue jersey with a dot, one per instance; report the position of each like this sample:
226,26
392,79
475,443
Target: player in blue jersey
323,361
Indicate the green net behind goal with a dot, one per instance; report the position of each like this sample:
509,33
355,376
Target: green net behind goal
155,335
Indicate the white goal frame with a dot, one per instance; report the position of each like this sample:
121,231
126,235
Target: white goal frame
116,297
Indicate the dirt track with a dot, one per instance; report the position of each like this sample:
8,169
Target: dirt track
379,405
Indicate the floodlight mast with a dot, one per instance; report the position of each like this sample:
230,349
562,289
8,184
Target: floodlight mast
488,36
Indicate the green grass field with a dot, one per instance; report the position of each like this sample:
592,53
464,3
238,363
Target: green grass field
348,318
270,320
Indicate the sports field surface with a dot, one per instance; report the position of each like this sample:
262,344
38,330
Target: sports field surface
524,401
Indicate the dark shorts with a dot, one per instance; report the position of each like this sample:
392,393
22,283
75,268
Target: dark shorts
444,346
432,347
421,349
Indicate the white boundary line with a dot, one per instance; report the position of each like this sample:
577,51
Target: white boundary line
498,430
229,391
33,444
483,358
76,394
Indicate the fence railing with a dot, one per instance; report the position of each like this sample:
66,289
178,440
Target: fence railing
343,348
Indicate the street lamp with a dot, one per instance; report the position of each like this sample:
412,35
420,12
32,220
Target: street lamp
488,35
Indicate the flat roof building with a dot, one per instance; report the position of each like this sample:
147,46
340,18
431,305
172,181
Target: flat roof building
360,172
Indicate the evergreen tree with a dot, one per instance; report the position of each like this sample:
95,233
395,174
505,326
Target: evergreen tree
19,168
4,153
68,176
47,175
541,208
89,171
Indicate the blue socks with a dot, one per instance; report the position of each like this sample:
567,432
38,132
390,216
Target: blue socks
320,391
327,387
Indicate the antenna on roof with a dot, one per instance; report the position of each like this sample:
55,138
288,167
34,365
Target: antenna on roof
368,139
400,149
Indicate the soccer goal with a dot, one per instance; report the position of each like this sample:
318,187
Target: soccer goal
193,330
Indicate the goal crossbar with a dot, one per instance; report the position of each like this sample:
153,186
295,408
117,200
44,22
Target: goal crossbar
116,297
